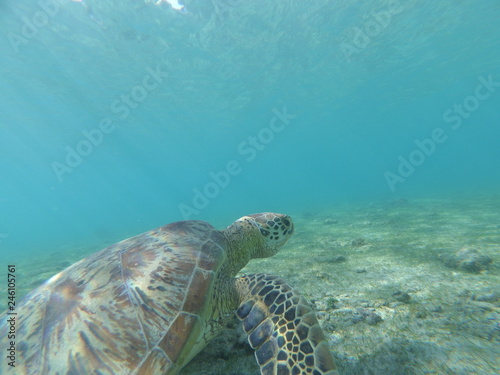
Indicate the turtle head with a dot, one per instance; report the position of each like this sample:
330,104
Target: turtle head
274,229
258,236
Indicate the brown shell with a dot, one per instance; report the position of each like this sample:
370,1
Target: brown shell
132,308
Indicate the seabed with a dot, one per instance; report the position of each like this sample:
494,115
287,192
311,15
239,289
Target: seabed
400,287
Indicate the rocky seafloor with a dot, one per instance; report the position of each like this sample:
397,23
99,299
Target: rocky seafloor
400,287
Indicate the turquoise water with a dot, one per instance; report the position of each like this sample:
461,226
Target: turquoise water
121,116
359,103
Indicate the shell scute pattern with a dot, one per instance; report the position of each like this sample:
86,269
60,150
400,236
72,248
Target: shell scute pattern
125,304
147,305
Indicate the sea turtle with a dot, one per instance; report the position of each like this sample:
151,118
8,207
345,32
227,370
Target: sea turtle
150,303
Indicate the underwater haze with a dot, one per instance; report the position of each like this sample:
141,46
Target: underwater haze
360,82
120,116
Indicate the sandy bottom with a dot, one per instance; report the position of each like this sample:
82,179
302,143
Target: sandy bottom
390,288
402,287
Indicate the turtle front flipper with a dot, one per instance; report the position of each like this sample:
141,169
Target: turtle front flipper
282,328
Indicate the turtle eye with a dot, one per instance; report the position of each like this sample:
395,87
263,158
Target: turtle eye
264,232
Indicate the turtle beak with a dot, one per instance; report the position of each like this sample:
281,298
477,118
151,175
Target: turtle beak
287,222
275,228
